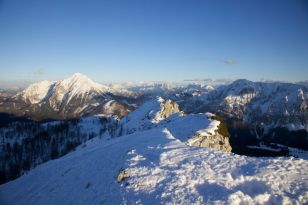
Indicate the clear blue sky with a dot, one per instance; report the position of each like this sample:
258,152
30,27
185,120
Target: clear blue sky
153,40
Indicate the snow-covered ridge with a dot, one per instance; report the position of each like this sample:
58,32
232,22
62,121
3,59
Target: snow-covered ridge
159,169
147,161
148,115
36,92
193,129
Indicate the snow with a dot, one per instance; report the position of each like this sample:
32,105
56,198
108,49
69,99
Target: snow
296,126
301,94
142,117
108,106
234,100
252,100
263,147
80,109
208,87
162,170
90,124
36,92
79,85
184,127
61,92
211,128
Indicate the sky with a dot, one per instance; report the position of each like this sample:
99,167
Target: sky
169,40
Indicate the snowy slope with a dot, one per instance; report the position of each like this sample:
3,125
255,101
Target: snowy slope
36,92
195,129
161,170
148,115
183,127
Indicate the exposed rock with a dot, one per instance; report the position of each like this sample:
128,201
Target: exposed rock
123,174
219,140
205,130
115,108
168,108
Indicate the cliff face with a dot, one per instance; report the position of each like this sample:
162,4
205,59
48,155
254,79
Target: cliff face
216,138
168,108
216,141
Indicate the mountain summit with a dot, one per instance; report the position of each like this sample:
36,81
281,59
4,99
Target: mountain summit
76,85
76,89
79,83
75,96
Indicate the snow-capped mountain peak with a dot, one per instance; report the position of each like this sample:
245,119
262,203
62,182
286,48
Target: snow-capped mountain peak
77,87
78,83
75,96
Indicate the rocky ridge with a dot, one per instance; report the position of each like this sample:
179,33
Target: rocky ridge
202,130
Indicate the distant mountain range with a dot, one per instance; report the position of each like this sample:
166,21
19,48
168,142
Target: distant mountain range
154,155
265,104
138,142
269,103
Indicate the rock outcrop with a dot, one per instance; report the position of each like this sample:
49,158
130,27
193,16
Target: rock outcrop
168,108
202,130
217,139
123,174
